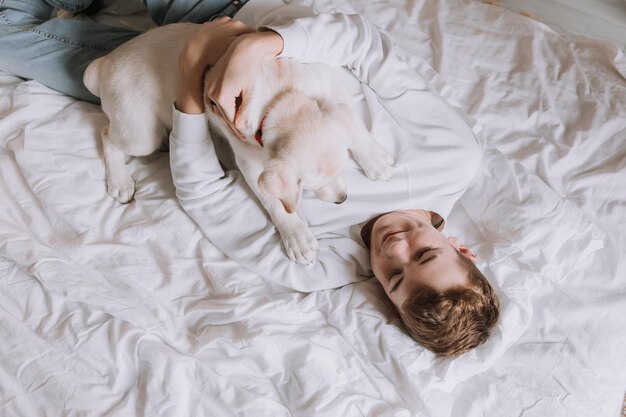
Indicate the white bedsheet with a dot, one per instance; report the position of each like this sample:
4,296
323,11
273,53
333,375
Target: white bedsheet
126,310
598,19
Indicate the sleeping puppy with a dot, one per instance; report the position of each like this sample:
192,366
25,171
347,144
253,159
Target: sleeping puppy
301,129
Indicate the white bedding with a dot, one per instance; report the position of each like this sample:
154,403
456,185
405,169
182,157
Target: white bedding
126,310
599,19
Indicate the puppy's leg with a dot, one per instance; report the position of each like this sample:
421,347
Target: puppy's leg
124,136
300,244
376,163
120,184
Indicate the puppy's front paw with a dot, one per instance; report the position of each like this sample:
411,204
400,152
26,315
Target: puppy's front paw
376,163
300,244
121,187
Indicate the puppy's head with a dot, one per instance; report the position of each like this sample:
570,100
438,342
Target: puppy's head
307,141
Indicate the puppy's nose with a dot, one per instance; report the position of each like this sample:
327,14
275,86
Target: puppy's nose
342,199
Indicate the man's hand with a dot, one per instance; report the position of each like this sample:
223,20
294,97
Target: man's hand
202,51
229,83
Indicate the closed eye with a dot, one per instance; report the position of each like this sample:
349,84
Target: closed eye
399,278
396,285
393,274
430,258
421,255
418,254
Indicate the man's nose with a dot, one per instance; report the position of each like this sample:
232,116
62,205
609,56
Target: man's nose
399,250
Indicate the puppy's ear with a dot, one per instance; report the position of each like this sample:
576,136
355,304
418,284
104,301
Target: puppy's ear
281,181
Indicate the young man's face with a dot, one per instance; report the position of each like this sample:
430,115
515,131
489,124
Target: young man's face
407,252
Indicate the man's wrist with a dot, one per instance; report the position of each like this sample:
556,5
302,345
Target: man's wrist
189,96
189,105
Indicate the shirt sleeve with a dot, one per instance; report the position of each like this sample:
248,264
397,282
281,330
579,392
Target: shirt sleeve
350,41
229,215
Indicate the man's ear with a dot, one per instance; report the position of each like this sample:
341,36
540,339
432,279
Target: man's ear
280,181
465,251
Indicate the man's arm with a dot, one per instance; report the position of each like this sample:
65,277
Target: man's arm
227,212
221,203
350,41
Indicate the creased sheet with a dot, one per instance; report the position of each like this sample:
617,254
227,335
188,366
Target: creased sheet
126,310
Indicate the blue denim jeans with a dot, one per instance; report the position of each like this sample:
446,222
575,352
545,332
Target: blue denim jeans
55,51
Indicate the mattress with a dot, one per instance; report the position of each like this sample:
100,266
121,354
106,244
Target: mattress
109,309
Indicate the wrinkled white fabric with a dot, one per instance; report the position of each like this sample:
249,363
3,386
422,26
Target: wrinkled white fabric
128,310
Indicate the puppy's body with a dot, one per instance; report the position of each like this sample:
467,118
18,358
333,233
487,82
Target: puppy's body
136,83
307,128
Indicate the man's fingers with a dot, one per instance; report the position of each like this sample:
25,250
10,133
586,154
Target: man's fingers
228,119
238,24
241,115
246,29
239,29
216,110
222,104
226,105
228,114
210,104
231,23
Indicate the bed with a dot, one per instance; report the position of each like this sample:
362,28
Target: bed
109,309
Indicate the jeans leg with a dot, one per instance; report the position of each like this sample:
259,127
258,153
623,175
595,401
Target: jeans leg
71,5
163,12
54,51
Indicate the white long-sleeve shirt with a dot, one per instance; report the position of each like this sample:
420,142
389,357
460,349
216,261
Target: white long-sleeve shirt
436,154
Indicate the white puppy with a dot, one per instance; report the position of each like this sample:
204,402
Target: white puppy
299,134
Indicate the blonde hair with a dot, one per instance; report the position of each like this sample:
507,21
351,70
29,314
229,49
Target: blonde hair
455,321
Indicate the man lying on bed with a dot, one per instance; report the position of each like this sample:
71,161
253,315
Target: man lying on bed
445,302
447,305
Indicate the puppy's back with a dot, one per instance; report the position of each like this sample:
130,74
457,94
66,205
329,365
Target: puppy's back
146,67
137,86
